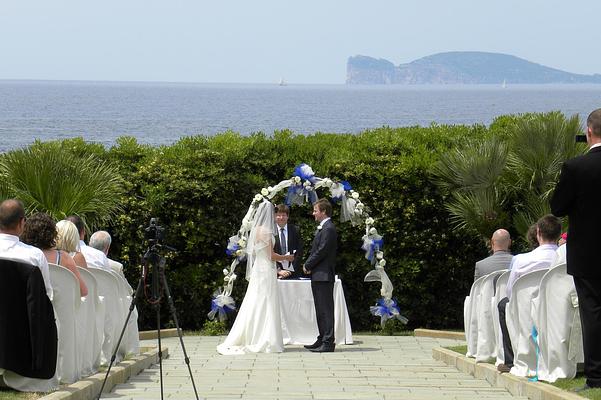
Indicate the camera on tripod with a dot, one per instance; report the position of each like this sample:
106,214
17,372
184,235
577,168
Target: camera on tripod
154,233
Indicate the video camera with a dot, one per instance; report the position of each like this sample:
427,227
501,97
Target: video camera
154,232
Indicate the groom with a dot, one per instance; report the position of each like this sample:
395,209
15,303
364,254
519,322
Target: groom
320,265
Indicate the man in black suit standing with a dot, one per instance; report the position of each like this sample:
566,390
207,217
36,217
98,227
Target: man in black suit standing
288,241
578,195
320,264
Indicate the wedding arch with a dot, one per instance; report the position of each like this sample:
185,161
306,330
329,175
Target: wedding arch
302,187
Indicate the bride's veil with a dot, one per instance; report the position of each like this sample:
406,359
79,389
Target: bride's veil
261,234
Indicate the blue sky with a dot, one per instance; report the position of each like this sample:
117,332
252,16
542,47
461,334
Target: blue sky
260,41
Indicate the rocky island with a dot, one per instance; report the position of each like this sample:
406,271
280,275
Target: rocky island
458,67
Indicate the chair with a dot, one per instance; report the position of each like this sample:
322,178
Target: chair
66,302
519,322
500,293
92,321
556,317
108,289
486,343
28,346
470,318
130,344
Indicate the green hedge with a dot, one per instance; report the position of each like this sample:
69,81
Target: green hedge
201,187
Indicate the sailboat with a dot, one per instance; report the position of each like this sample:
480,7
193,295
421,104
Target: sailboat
504,84
282,82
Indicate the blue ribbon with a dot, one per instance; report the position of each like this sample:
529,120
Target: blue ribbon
387,309
298,171
346,185
534,333
231,250
376,245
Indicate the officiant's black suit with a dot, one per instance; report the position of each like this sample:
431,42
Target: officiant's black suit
295,242
322,262
578,195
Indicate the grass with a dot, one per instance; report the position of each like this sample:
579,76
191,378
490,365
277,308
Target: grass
458,349
578,381
9,394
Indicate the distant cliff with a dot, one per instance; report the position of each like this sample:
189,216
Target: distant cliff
458,67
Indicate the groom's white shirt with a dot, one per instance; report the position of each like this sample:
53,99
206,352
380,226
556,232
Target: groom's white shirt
323,222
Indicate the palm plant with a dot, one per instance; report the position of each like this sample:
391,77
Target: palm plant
506,181
48,177
473,177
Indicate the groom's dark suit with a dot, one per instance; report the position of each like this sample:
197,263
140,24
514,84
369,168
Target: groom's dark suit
321,263
578,195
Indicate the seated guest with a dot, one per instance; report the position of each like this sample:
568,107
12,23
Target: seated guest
40,231
288,241
68,240
94,257
531,237
548,230
500,258
101,240
12,221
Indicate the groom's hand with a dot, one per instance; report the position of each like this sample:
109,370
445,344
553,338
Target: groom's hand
306,271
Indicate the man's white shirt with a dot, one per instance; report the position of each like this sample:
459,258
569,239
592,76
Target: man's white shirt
94,258
13,249
540,258
286,265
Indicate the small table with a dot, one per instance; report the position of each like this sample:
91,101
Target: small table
299,324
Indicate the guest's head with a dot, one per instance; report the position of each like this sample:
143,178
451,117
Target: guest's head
593,127
531,237
81,228
500,240
12,217
548,229
322,209
68,236
101,240
282,212
40,231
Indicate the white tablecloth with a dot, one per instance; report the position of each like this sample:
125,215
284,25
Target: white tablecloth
299,325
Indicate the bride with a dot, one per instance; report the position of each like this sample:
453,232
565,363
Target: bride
258,327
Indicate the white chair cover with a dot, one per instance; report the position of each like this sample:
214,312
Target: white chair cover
556,317
500,293
519,322
130,344
67,305
108,289
486,343
94,334
470,318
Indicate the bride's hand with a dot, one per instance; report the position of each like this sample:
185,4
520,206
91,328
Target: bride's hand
289,257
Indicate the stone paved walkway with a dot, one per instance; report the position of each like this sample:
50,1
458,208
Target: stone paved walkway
375,367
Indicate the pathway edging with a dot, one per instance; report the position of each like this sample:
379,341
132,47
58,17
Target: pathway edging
88,387
516,385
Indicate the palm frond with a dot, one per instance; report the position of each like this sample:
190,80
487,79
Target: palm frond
48,178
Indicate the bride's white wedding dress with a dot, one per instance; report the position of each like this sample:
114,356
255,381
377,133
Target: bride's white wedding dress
258,327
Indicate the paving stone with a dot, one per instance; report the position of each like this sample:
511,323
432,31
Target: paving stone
376,367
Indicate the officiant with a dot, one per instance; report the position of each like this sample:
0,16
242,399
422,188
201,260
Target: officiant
288,241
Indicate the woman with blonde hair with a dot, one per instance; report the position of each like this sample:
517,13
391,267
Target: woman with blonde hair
68,240
40,231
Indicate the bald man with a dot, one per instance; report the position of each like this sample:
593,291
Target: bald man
501,257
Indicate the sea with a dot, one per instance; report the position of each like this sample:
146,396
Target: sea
162,113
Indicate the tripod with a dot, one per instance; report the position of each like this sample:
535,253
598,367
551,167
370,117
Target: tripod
152,259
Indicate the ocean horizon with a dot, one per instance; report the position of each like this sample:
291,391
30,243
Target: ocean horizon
160,113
